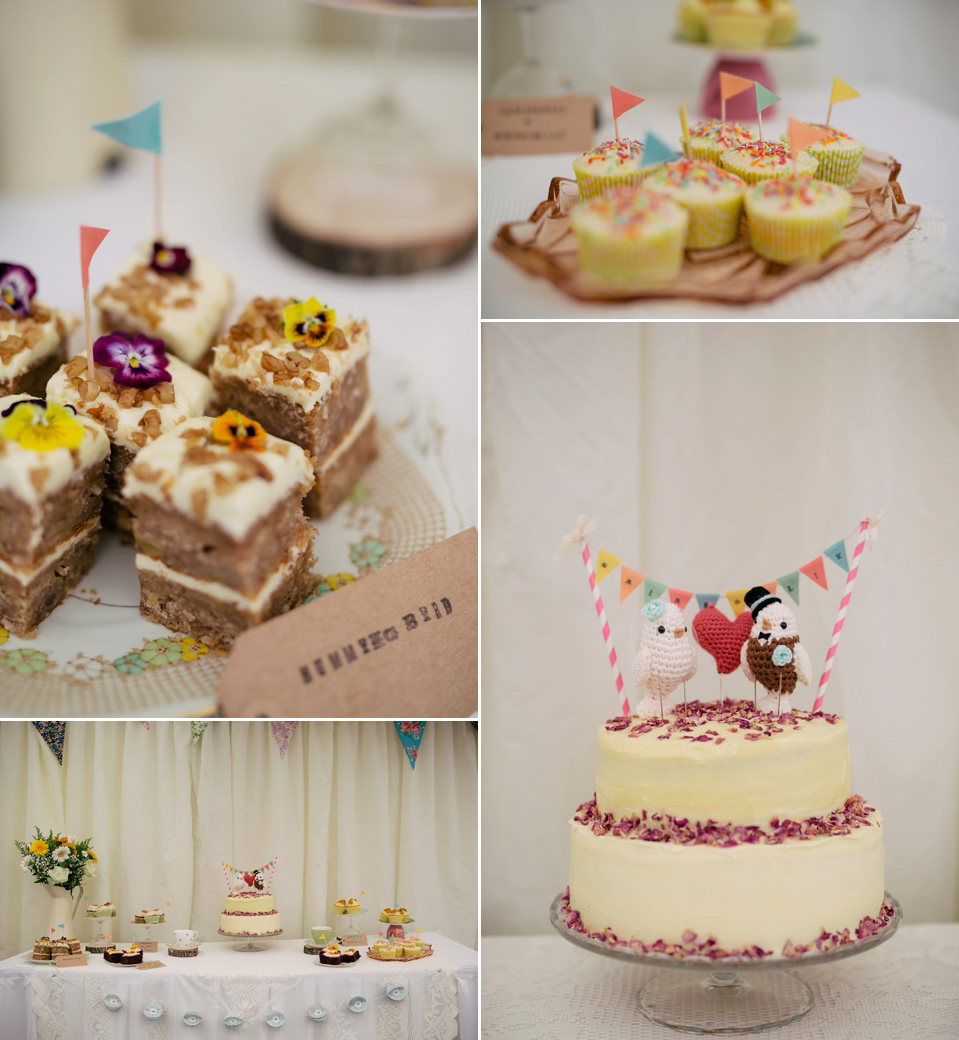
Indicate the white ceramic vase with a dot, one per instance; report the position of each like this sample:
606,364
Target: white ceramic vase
62,910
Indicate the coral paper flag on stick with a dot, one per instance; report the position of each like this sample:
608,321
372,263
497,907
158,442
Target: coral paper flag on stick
622,102
801,135
730,86
606,563
629,581
90,239
840,92
864,529
816,571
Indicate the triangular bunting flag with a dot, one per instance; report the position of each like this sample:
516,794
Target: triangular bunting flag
680,598
842,91
815,570
837,553
730,85
801,135
622,101
652,590
411,735
790,582
629,582
657,151
606,563
737,600
90,239
765,98
141,130
707,599
197,729
53,733
770,587
283,732
147,724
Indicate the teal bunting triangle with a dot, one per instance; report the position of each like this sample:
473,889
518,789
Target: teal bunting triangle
652,590
790,582
656,151
707,599
837,553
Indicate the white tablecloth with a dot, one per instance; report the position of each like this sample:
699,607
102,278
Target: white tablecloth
916,277
46,1003
542,986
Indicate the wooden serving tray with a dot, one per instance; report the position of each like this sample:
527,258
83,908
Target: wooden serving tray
544,245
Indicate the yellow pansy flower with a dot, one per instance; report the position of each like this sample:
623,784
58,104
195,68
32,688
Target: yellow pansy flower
309,324
41,426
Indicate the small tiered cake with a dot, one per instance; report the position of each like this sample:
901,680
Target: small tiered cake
164,293
137,393
222,542
52,466
33,338
292,368
250,910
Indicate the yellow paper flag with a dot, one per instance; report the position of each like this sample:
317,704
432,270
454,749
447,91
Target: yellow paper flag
842,91
606,563
737,600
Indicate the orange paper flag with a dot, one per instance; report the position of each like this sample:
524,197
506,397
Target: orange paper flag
801,135
622,101
730,85
815,570
90,239
680,597
629,582
770,587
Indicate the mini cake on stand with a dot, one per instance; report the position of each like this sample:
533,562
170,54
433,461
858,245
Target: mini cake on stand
52,469
149,918
250,911
33,338
303,376
222,542
395,917
137,393
99,912
165,293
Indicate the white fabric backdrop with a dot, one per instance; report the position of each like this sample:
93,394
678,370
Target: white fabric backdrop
717,456
343,811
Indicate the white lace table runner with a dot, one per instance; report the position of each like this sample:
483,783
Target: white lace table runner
540,986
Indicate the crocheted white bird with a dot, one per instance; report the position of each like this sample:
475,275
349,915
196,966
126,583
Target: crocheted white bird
667,656
773,655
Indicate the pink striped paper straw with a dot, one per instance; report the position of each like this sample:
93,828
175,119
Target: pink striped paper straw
601,614
269,884
841,617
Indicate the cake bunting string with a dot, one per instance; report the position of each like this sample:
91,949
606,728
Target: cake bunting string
730,86
283,734
90,239
840,92
578,537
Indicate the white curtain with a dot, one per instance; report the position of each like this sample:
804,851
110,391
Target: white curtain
342,810
716,456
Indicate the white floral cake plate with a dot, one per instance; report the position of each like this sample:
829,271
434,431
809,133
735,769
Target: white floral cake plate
96,656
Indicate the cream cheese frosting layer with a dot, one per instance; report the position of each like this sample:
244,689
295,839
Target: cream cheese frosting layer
728,763
192,390
745,895
200,478
182,310
35,475
24,575
26,341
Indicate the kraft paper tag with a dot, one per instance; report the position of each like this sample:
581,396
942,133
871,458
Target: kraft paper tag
147,965
536,126
401,642
71,960
353,939
149,947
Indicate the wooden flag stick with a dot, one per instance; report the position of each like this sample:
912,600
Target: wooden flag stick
157,177
616,128
759,116
722,110
88,325
829,115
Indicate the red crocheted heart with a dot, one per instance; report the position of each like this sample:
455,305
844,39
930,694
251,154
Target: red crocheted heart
721,637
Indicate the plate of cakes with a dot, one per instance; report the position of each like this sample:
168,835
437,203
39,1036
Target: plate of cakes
46,951
408,949
334,956
128,957
191,478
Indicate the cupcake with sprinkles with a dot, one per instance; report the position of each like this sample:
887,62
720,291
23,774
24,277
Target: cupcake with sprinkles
760,160
795,218
712,197
630,238
608,165
839,156
710,139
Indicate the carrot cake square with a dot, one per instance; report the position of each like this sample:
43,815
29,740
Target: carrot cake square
52,468
303,376
222,542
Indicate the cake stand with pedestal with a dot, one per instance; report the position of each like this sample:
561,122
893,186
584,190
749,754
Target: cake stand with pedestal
98,944
730,995
247,944
349,912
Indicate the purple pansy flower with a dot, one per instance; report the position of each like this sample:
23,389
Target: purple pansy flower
17,288
170,259
140,362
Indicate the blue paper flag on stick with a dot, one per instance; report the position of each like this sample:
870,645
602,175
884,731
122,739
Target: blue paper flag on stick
765,98
657,151
141,130
837,553
707,599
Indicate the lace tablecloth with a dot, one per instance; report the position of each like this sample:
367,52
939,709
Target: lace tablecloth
39,1003
541,986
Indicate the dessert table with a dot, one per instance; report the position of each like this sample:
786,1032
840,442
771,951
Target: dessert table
440,1003
916,277
536,986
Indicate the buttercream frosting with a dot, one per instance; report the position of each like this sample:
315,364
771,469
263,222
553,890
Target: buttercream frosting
28,340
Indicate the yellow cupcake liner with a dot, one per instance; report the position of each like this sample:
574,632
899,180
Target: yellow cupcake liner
753,174
634,264
713,223
840,167
591,186
710,153
786,238
748,32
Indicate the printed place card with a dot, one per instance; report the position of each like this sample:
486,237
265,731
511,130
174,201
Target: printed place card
400,642
72,960
354,939
536,126
147,965
149,947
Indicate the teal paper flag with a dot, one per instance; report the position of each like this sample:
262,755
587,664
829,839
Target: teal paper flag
657,151
707,599
652,590
791,584
141,130
765,98
837,553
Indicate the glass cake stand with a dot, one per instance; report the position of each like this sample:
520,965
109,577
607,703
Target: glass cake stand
249,946
99,942
734,995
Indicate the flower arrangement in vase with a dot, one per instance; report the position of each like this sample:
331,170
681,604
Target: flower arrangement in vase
60,864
